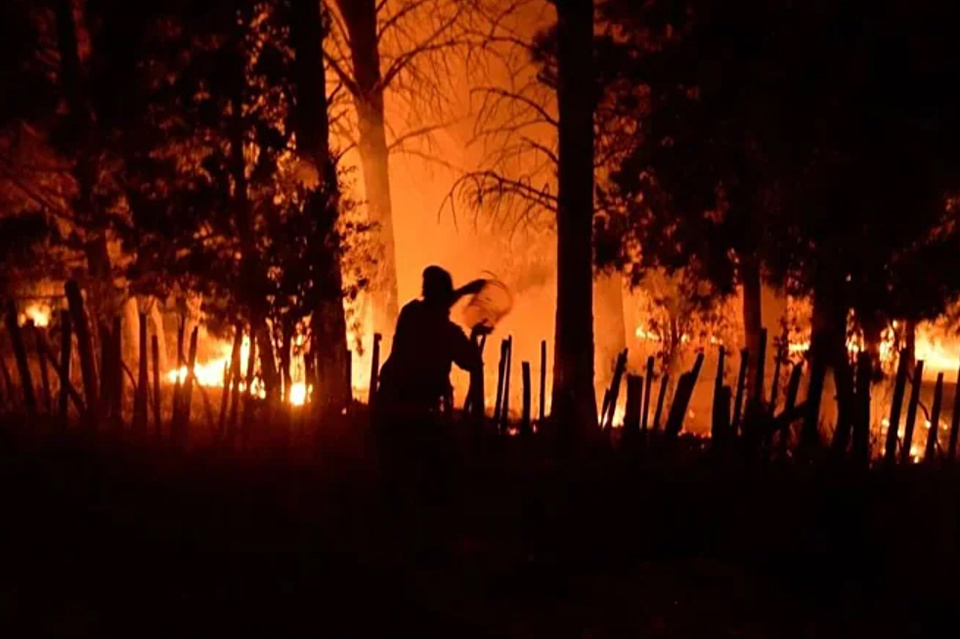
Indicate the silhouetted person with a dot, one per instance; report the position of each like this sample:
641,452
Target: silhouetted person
415,438
416,376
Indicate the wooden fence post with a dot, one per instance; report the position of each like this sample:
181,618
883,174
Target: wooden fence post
846,407
720,425
614,393
66,358
525,419
498,406
681,398
505,418
374,369
44,372
893,427
4,386
738,400
106,374
759,381
661,396
64,375
247,421
719,421
631,413
183,425
861,423
793,389
8,382
143,381
230,372
117,390
754,412
911,413
954,422
775,384
23,365
543,381
235,389
157,418
645,409
177,383
932,435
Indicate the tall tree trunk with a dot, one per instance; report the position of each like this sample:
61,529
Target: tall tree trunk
268,364
360,17
827,351
285,356
103,298
574,402
313,139
752,317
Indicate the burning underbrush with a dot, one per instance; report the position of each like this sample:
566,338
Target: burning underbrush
519,385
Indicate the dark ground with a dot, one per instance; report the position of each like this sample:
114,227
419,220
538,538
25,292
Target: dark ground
107,540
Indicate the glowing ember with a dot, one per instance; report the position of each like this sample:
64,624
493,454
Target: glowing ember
651,336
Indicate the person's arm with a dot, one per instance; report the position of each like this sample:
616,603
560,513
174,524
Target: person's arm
471,288
466,353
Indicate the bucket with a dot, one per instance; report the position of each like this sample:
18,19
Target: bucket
489,305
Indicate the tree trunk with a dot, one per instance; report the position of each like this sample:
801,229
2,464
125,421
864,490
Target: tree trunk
827,351
752,319
103,298
268,364
88,368
285,357
360,17
313,139
574,401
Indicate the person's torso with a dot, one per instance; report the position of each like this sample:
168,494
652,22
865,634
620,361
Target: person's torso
423,353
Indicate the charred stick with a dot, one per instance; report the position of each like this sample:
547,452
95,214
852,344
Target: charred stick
906,447
23,365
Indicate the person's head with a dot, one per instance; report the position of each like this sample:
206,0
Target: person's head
437,286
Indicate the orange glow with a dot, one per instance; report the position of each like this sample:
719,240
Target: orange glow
38,313
210,372
298,394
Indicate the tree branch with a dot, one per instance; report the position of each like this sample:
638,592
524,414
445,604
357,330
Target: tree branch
502,93
427,45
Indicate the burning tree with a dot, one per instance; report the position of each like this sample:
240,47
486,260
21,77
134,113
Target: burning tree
401,49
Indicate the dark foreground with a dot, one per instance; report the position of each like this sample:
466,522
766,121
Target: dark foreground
108,540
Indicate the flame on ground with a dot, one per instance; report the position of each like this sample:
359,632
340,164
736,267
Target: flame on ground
36,312
939,353
213,373
298,394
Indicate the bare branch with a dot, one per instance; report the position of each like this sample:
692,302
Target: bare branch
345,79
503,93
395,19
400,140
433,159
430,43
